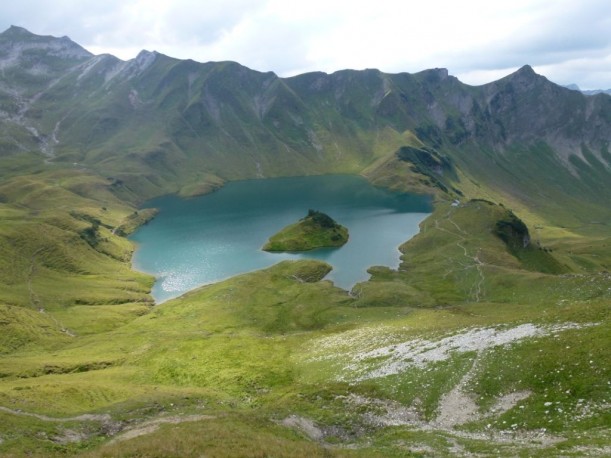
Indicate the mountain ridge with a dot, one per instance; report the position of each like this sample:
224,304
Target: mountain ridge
159,124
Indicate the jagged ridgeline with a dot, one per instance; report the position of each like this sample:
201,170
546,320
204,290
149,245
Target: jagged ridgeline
155,124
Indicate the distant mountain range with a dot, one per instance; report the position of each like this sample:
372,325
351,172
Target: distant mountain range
157,124
588,91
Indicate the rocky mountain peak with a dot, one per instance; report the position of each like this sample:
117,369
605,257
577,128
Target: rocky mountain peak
526,71
525,76
434,75
442,73
142,61
17,42
16,31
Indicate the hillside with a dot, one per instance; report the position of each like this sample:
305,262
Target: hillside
490,339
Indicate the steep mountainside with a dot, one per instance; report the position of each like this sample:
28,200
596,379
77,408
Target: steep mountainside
30,66
156,123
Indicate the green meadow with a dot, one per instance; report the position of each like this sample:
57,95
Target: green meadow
279,362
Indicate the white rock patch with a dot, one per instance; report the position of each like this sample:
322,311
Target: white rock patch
393,358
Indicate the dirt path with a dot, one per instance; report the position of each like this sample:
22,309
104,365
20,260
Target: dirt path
456,407
124,433
382,413
151,426
103,418
476,290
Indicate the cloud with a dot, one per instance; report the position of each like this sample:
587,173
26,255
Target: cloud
590,73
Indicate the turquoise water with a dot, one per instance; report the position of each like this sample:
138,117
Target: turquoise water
205,239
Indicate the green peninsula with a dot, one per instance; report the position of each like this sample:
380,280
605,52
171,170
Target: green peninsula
316,230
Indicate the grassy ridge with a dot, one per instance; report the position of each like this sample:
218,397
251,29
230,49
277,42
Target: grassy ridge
56,257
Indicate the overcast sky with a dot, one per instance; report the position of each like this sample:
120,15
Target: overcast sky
569,41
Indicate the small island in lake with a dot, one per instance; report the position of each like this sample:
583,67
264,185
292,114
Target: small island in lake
316,230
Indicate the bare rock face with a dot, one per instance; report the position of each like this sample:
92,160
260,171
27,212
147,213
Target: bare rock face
23,49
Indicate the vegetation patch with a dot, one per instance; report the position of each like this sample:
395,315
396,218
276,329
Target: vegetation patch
135,220
316,230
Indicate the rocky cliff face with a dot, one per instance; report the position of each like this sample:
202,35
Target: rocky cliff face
532,109
30,65
30,62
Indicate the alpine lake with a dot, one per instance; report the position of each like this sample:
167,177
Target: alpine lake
205,239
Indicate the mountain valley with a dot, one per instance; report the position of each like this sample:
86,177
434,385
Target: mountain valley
490,339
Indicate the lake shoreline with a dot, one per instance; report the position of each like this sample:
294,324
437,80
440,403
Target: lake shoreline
258,208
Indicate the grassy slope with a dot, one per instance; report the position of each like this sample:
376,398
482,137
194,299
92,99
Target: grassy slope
59,259
243,347
262,347
272,345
